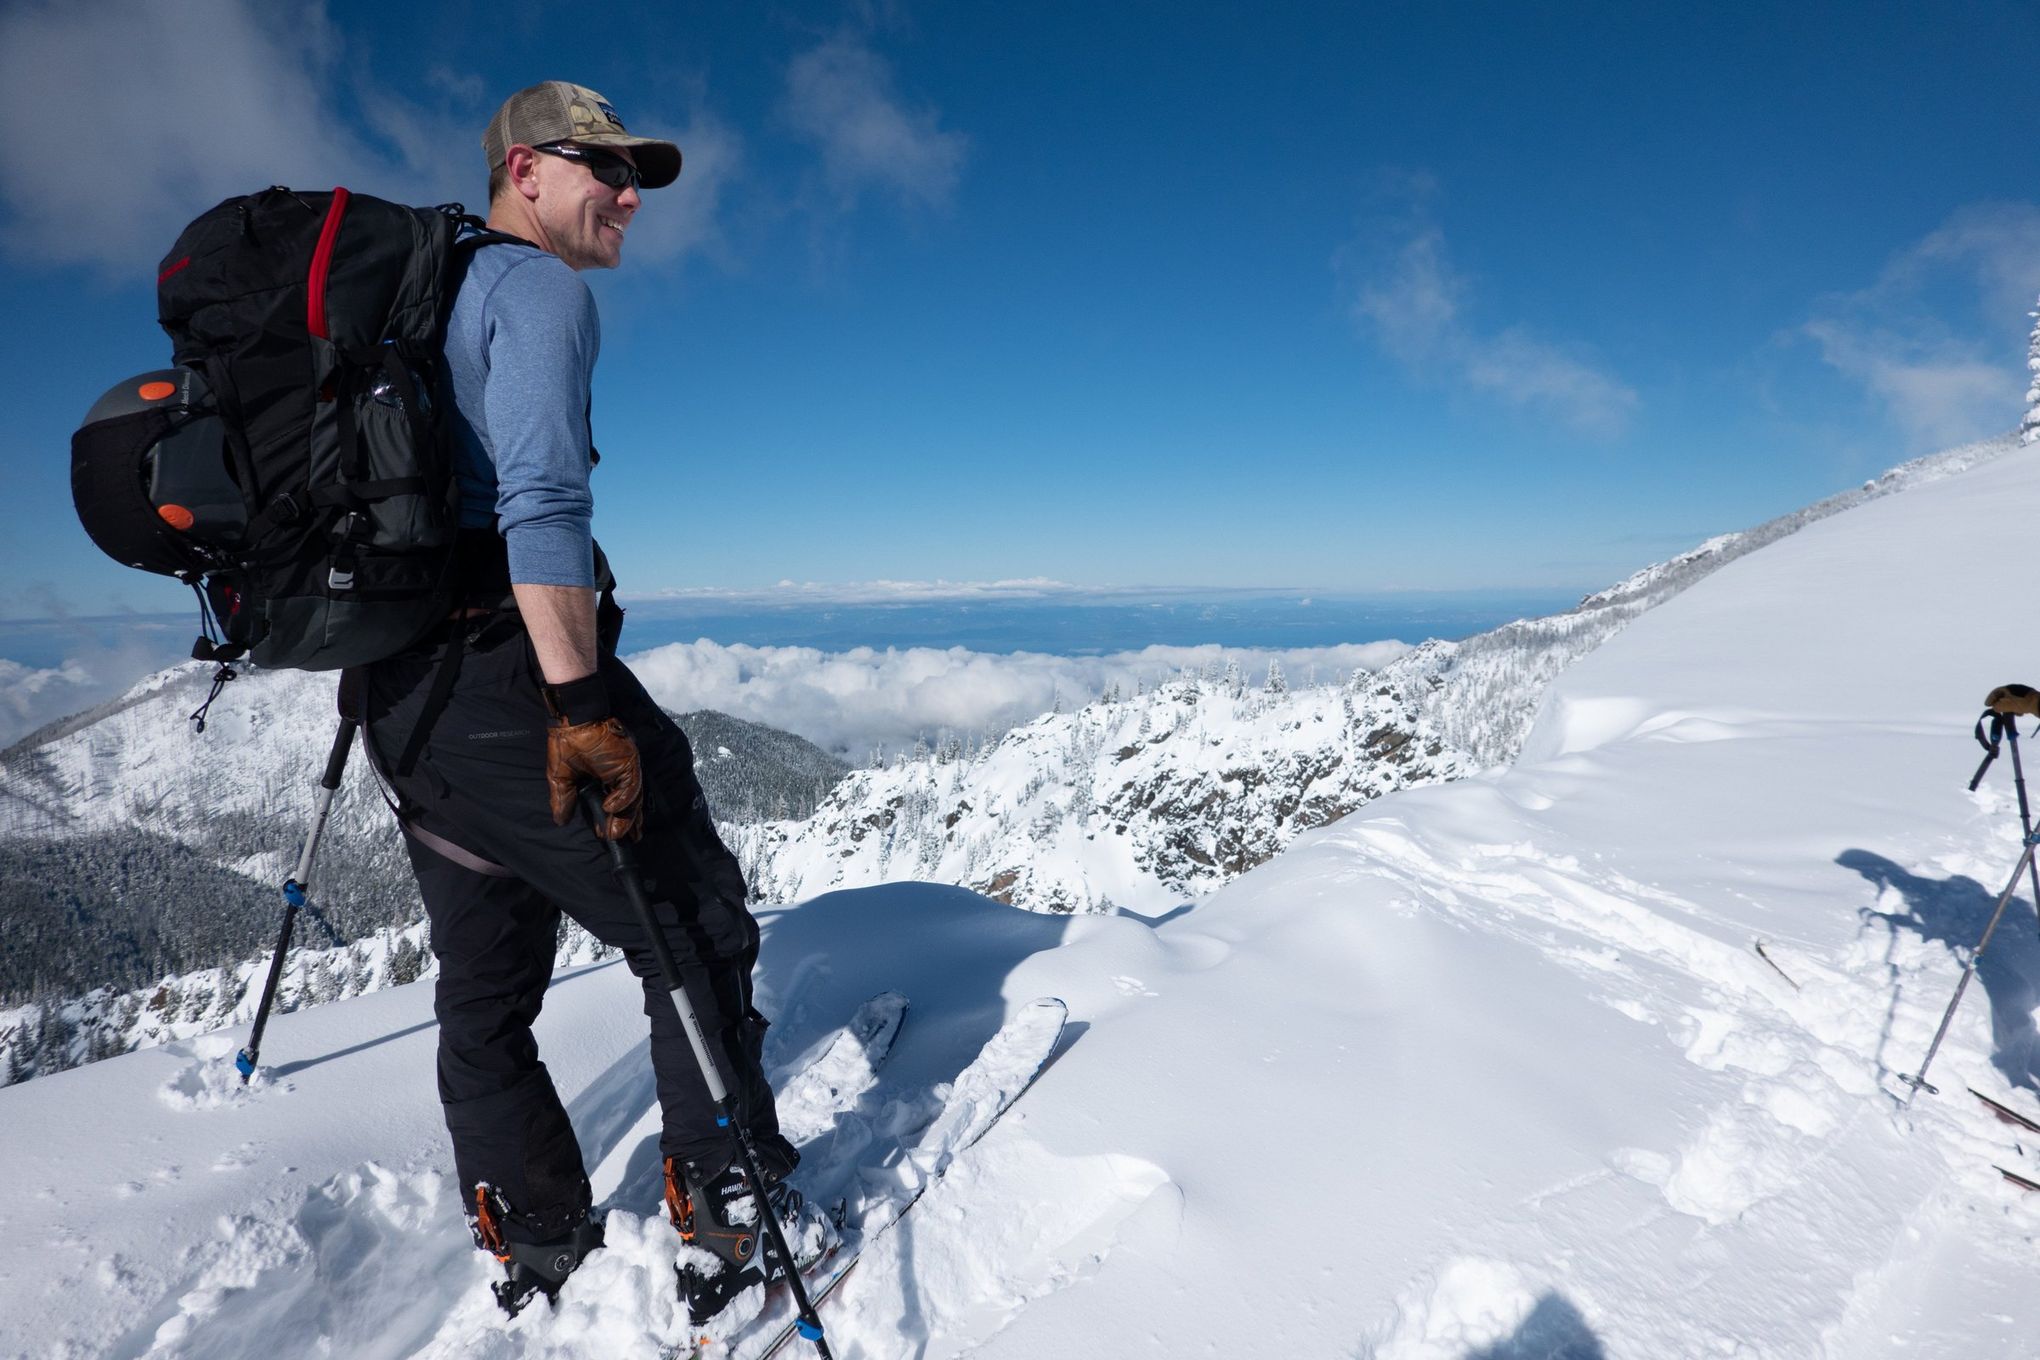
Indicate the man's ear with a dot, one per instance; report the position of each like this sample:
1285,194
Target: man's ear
521,164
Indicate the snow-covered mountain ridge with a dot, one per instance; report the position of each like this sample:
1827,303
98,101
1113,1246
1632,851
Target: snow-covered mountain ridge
1140,802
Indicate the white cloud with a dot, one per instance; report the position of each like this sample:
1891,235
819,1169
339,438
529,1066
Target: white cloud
685,218
1934,339
851,702
31,696
174,107
1413,303
1940,390
905,592
840,96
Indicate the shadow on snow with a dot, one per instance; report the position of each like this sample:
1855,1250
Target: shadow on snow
1955,912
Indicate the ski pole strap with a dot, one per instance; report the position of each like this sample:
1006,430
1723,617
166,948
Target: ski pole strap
1997,723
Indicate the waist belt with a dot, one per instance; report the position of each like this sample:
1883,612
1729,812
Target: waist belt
446,849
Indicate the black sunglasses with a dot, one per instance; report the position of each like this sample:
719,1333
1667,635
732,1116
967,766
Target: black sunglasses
607,167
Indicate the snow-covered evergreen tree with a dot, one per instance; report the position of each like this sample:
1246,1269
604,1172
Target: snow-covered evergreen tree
2029,428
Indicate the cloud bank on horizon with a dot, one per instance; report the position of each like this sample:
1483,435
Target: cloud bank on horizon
852,703
856,702
885,592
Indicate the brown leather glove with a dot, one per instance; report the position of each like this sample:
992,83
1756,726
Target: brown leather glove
585,742
2013,699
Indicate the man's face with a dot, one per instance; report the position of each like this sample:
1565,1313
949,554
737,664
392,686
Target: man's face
582,218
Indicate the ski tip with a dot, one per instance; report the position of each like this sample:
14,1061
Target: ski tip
244,1064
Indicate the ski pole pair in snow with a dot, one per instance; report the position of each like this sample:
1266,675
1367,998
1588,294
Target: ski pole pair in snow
623,863
2003,726
2002,707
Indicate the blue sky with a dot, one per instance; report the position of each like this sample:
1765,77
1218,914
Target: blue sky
1339,297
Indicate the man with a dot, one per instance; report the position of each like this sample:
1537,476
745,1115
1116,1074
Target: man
487,731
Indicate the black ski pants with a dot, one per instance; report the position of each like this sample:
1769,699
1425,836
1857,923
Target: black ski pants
494,891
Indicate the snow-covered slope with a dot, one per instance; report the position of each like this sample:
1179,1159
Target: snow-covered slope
1483,693
1485,1069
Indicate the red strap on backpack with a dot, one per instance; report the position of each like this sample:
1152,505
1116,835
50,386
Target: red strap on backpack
322,263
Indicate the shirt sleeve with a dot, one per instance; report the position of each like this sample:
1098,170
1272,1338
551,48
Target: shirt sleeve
543,335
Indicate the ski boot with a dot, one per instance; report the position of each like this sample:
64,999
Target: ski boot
715,1210
529,1267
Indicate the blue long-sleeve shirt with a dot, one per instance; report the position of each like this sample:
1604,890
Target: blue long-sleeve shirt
521,344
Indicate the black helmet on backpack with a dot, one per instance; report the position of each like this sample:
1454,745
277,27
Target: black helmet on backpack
150,479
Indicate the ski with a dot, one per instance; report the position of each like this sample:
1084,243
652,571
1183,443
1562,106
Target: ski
1001,1073
2006,1112
2014,1177
1765,955
812,1094
809,1098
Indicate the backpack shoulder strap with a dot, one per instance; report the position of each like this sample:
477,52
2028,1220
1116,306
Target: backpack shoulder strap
486,236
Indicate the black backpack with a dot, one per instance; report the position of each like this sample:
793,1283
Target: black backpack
295,467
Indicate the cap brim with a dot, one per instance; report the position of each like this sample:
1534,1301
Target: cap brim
658,162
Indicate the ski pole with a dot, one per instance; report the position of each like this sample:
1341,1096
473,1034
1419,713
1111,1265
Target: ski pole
1918,1081
623,862
296,892
2025,813
2006,726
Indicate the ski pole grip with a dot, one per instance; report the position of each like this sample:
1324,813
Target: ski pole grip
621,854
336,760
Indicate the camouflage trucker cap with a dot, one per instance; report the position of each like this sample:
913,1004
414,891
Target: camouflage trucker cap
555,111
